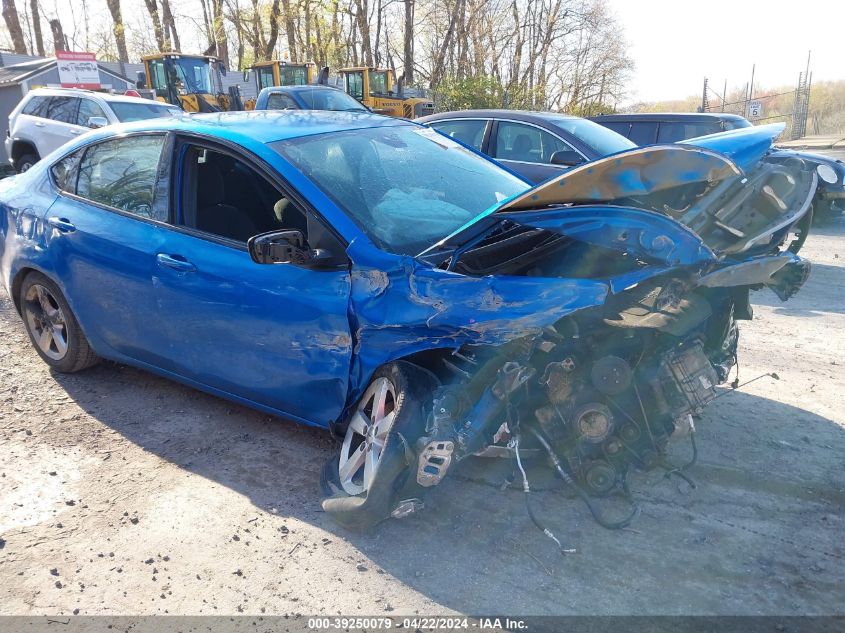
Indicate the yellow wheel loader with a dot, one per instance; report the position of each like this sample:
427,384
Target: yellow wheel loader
192,82
376,88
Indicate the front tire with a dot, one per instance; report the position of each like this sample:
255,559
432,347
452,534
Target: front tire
52,326
25,162
375,468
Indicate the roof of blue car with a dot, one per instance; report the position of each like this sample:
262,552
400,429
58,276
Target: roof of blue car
267,126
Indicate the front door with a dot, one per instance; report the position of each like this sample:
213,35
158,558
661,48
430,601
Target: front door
277,335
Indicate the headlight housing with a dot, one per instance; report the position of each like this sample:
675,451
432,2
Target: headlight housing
828,174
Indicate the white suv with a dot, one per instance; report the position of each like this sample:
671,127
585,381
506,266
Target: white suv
46,119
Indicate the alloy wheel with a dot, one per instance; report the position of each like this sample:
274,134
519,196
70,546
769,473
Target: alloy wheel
46,321
365,437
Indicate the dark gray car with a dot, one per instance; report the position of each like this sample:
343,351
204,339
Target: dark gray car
535,145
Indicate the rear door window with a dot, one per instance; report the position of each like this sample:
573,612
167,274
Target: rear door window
467,131
37,106
643,132
122,173
63,109
674,131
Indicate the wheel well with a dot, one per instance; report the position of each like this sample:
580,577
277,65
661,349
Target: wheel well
17,282
21,148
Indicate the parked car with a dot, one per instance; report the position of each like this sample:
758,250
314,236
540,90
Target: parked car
370,276
46,119
535,145
649,128
310,97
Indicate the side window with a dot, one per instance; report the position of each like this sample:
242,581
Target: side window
158,77
281,101
64,172
526,143
355,85
643,132
37,106
674,131
87,110
467,131
63,109
620,127
265,77
224,196
122,174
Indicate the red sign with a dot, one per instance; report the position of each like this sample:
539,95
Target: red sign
78,70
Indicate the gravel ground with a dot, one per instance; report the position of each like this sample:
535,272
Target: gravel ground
123,493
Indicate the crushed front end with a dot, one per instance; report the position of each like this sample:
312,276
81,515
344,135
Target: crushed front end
591,319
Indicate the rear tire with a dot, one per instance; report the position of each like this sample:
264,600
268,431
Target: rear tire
376,466
52,327
25,162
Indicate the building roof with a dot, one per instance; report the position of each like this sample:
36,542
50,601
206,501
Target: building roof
17,73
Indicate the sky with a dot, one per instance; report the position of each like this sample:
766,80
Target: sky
676,43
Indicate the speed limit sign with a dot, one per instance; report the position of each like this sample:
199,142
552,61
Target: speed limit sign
755,109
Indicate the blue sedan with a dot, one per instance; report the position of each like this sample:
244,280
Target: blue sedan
371,276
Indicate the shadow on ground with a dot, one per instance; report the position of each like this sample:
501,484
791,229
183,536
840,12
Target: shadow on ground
763,527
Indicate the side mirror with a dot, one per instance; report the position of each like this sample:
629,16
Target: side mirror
95,122
280,247
140,79
566,158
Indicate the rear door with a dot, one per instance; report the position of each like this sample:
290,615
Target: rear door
60,123
105,227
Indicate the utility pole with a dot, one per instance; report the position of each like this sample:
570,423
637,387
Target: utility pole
750,92
724,94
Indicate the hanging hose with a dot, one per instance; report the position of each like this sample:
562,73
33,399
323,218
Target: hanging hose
585,497
527,490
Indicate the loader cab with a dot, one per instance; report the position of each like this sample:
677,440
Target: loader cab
192,82
376,88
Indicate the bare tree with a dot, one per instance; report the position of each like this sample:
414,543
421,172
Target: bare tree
13,23
60,42
169,25
152,9
408,41
36,27
118,29
290,28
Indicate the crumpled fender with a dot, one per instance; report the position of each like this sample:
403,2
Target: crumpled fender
399,306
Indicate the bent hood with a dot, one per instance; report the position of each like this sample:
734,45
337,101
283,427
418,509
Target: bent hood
721,187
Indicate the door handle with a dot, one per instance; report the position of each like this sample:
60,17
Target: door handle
39,124
176,262
62,224
76,132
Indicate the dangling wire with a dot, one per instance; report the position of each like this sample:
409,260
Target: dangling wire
585,497
527,490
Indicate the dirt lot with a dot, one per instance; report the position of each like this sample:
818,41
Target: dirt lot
123,493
